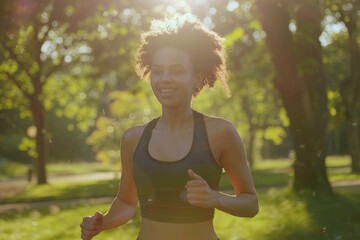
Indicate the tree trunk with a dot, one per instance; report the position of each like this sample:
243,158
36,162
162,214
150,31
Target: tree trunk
250,146
246,103
300,82
352,132
39,116
350,89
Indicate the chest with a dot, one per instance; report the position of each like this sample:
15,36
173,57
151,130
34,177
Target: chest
170,146
162,160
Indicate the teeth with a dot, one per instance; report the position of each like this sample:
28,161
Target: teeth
166,90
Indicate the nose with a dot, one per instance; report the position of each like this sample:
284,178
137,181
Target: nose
166,76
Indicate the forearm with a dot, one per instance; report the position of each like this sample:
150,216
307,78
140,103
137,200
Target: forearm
119,213
243,205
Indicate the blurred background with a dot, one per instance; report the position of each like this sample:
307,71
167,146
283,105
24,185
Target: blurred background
68,90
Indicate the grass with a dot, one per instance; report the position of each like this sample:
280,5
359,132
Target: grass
283,214
79,168
265,176
12,169
65,191
54,223
17,170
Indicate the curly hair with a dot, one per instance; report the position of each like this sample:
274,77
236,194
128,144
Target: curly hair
205,47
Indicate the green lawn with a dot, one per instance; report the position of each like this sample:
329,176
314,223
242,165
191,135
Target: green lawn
13,169
283,214
266,174
65,190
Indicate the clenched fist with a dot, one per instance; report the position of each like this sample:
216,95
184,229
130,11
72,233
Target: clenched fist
91,226
199,192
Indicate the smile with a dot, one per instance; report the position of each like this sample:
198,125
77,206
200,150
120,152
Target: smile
167,90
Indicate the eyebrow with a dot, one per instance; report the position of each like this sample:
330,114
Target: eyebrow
174,65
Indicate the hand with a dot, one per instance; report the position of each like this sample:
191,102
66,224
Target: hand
199,193
91,226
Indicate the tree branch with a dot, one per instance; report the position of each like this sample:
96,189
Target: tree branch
26,94
17,60
352,82
51,20
54,69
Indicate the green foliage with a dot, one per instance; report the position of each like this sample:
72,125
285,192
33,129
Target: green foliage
78,102
72,56
85,61
36,50
336,69
28,145
275,133
234,36
251,75
214,101
126,109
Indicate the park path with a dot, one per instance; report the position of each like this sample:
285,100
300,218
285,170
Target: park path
14,185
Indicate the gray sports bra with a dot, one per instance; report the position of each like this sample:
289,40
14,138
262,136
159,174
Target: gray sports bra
160,185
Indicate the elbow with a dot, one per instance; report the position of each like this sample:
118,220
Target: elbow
253,211
253,207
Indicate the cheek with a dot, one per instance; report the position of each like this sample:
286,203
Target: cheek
153,81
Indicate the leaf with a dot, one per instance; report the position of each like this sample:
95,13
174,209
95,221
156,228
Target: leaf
276,134
237,34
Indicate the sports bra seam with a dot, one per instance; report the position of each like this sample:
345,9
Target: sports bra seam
143,136
208,141
191,150
146,135
187,155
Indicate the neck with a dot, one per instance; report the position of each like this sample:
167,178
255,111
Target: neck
176,119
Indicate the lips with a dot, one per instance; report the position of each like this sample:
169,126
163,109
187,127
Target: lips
166,90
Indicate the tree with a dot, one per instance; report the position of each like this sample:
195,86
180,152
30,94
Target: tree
347,12
141,107
38,41
336,66
254,101
300,81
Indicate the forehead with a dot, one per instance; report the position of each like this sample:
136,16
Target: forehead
170,56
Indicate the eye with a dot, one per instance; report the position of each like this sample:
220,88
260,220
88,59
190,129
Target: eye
155,71
177,71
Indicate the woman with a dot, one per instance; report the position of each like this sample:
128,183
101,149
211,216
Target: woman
172,165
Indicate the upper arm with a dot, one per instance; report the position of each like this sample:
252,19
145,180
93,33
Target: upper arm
233,159
127,189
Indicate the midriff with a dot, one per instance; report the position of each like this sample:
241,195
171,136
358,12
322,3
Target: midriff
153,230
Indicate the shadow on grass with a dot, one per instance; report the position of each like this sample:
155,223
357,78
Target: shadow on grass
337,216
307,217
269,178
63,191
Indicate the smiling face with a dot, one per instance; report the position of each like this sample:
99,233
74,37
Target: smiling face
172,77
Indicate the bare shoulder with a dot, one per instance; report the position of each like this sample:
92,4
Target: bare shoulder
219,127
223,139
132,136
